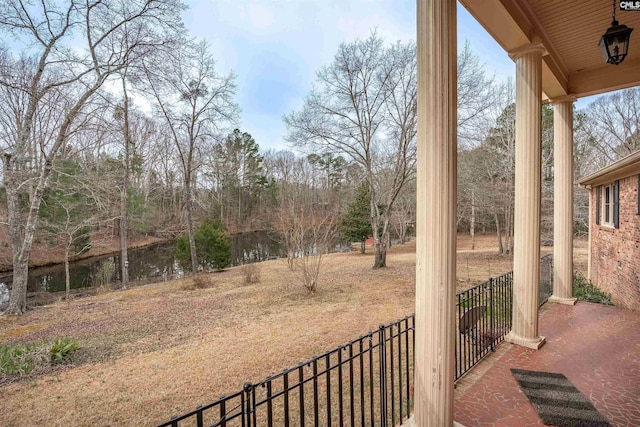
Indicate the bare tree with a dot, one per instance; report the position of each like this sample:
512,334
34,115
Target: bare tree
305,224
196,104
75,48
73,229
314,232
397,156
486,171
124,192
404,215
133,129
478,95
586,161
294,197
364,107
612,123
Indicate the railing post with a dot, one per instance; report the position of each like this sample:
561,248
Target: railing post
269,403
383,380
223,413
248,388
199,420
492,316
511,300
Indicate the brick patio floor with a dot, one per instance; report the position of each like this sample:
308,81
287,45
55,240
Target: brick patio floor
595,346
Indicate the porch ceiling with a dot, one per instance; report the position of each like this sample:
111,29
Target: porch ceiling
570,32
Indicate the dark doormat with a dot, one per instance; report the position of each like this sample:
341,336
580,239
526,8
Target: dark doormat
557,401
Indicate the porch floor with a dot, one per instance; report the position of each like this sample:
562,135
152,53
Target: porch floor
596,347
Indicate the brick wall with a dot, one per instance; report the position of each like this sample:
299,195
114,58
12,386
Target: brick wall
615,253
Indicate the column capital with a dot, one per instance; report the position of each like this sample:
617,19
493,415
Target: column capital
535,46
562,99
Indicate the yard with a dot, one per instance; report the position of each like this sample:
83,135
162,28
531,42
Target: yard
162,349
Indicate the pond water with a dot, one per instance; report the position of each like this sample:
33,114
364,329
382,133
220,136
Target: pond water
152,263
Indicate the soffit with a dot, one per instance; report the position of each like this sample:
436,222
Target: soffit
570,32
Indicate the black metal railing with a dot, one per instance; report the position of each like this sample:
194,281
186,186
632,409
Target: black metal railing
546,278
483,320
366,382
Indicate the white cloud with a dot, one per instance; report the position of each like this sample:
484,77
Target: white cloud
282,43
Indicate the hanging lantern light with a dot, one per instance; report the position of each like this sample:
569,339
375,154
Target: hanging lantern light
614,44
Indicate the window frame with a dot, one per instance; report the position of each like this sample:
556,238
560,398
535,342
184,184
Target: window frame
607,206
610,210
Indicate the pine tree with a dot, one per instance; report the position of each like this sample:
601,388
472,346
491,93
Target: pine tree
355,225
213,246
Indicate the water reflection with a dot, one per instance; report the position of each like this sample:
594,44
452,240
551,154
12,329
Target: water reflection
156,262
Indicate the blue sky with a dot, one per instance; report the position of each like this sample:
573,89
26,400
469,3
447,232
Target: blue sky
275,47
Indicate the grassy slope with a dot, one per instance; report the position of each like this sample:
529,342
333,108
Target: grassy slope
159,350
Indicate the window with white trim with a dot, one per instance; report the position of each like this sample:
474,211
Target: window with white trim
607,205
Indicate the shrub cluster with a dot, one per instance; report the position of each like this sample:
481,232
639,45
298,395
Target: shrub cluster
198,281
213,246
250,273
584,290
20,359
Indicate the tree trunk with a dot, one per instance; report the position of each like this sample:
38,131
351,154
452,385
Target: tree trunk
192,240
379,244
381,255
124,238
472,227
21,246
499,233
403,231
67,279
221,203
18,298
509,231
363,246
239,205
381,240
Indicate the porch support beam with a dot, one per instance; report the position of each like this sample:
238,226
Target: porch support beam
436,213
563,201
526,262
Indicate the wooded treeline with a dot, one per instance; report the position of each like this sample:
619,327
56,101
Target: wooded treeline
115,121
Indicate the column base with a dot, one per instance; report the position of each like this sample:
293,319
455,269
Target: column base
533,343
411,422
560,300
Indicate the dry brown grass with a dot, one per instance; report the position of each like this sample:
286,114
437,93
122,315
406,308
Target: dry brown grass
159,350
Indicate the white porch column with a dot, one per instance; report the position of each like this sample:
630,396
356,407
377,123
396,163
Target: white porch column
526,261
563,201
592,223
436,213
